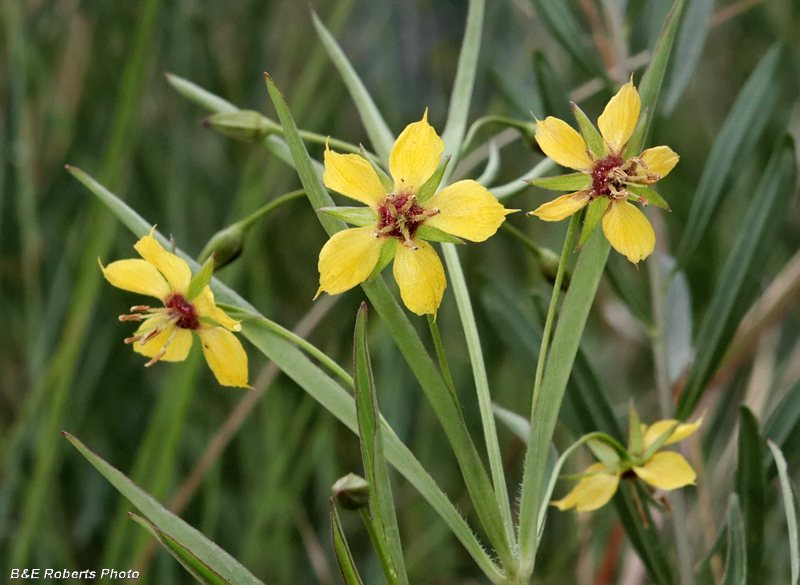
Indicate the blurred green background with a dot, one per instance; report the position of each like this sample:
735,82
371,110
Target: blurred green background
83,84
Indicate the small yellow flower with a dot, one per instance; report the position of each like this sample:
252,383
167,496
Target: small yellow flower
608,174
166,333
399,219
664,470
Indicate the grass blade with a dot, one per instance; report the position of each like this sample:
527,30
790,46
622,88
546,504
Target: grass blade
369,430
735,141
377,129
751,487
736,560
731,296
201,547
342,550
789,509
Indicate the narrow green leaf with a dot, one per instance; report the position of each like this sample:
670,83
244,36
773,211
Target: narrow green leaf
200,96
735,142
650,86
555,98
312,184
634,146
688,47
197,568
369,429
386,181
751,488
566,340
590,134
783,426
594,213
559,21
388,250
736,561
461,95
570,182
377,129
242,125
734,288
205,550
201,279
635,438
605,454
517,424
789,511
342,550
360,216
649,195
428,190
432,234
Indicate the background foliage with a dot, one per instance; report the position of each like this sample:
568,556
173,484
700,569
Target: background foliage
85,86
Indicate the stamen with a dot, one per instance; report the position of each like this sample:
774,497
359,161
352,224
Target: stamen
131,317
140,309
163,350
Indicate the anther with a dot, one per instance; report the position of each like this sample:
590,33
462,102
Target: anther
140,309
131,317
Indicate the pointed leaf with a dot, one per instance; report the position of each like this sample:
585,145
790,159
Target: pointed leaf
342,550
360,216
789,511
594,213
385,179
432,234
736,560
590,134
751,487
201,279
734,288
202,548
388,250
428,190
570,182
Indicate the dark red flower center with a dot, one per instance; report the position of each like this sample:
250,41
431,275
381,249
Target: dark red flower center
606,179
184,310
399,216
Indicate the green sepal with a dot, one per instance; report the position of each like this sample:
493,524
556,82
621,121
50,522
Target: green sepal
570,182
209,321
636,439
659,442
594,213
649,194
385,179
388,251
432,234
429,188
360,216
590,134
201,279
634,146
604,453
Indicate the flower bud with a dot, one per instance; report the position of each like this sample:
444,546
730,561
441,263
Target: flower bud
226,244
242,124
351,492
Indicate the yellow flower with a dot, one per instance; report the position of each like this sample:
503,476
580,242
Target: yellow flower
608,174
664,470
399,220
166,333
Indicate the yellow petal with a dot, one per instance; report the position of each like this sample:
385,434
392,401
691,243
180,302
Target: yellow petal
420,276
562,207
225,355
175,270
206,307
618,120
659,160
667,471
348,258
177,350
415,156
466,210
679,434
592,492
629,231
563,144
352,175
137,276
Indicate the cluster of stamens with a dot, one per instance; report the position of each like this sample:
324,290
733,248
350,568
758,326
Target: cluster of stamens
178,312
399,216
611,174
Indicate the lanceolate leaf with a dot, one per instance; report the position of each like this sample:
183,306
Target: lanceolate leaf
360,216
734,287
428,190
790,511
594,213
201,279
570,182
736,560
200,547
750,485
590,134
197,568
369,430
342,550
735,141
432,234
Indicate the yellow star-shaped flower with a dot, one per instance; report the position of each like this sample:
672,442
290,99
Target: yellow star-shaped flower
609,176
399,219
166,333
664,470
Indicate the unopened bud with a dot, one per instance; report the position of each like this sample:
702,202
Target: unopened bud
227,245
351,492
243,124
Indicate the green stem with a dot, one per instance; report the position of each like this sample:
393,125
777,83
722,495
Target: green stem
437,342
248,222
551,312
658,289
480,123
334,143
380,548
